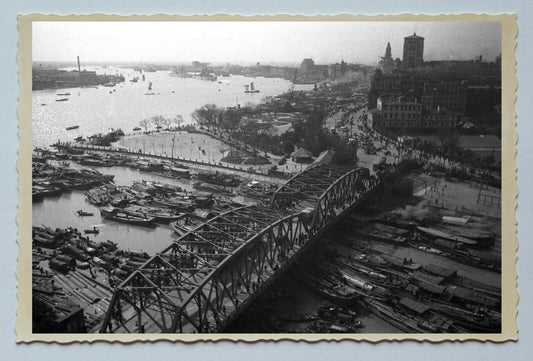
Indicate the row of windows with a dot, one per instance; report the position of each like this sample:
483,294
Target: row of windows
401,116
402,107
416,124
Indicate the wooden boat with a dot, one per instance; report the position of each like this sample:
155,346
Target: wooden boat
440,234
92,231
159,215
174,203
179,171
209,187
388,314
337,293
218,179
250,88
41,241
480,236
186,223
473,320
118,215
82,213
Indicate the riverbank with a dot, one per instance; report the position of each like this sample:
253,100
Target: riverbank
97,109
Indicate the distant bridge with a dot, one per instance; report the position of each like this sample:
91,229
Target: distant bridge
202,281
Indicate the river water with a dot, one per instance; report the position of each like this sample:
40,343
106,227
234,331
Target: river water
60,212
97,109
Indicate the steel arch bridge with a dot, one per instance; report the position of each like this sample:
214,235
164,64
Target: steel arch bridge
204,279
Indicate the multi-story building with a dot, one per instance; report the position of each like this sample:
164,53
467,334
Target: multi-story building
396,112
413,51
462,92
406,112
439,118
482,99
448,93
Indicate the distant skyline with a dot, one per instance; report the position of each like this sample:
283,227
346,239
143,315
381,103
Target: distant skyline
264,42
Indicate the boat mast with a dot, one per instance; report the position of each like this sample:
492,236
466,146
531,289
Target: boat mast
173,140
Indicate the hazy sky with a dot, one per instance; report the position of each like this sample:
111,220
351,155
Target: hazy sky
324,42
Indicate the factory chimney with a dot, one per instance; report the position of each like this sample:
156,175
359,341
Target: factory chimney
79,68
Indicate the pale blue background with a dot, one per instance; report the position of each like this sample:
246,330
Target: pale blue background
286,350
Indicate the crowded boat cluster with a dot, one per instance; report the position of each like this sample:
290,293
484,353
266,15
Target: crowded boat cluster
456,238
146,203
54,179
414,297
73,278
58,166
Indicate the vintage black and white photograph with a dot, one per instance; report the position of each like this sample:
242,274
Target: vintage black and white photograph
267,177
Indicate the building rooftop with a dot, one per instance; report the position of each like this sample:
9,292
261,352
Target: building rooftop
414,36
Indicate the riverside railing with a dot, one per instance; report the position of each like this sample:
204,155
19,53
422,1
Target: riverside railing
198,162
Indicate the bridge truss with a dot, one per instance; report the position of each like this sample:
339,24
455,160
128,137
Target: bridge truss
202,281
325,190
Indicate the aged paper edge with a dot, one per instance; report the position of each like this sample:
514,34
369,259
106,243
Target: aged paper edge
509,277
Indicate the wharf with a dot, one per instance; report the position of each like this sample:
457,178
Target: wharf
196,164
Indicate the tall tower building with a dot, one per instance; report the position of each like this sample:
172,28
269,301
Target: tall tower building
413,51
387,63
388,53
